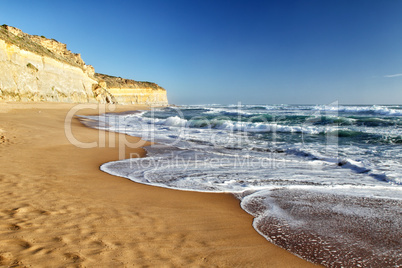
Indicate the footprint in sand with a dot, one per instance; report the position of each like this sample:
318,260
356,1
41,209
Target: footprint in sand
26,209
7,260
15,245
14,227
3,139
73,257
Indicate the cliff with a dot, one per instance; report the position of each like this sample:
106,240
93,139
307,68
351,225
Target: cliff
130,91
34,68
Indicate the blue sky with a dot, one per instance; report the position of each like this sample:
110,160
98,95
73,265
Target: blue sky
281,51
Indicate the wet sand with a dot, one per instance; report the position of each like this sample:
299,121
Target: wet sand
57,209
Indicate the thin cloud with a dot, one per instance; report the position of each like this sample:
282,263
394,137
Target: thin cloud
392,75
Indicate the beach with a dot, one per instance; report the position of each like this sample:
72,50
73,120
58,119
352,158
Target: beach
59,210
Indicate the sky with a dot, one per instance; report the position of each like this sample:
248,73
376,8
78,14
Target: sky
253,52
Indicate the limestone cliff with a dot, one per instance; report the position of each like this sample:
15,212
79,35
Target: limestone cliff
130,91
34,68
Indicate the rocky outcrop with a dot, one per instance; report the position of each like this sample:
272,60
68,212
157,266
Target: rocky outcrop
34,68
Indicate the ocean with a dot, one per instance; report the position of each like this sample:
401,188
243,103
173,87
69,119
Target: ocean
322,181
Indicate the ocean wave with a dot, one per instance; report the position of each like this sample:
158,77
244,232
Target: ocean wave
230,112
225,132
315,181
261,127
377,110
377,122
176,121
367,109
362,167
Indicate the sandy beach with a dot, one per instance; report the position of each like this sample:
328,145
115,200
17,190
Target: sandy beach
59,210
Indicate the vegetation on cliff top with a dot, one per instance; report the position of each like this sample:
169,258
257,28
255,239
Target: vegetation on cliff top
118,82
26,43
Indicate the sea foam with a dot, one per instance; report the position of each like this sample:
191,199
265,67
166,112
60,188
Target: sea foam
315,179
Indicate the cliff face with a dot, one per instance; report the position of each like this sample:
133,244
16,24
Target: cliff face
130,91
34,68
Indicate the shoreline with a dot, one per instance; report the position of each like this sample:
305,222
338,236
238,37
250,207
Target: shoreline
58,208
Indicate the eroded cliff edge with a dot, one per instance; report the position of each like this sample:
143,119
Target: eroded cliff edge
34,68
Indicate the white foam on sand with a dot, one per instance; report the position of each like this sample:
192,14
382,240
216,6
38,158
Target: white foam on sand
297,191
